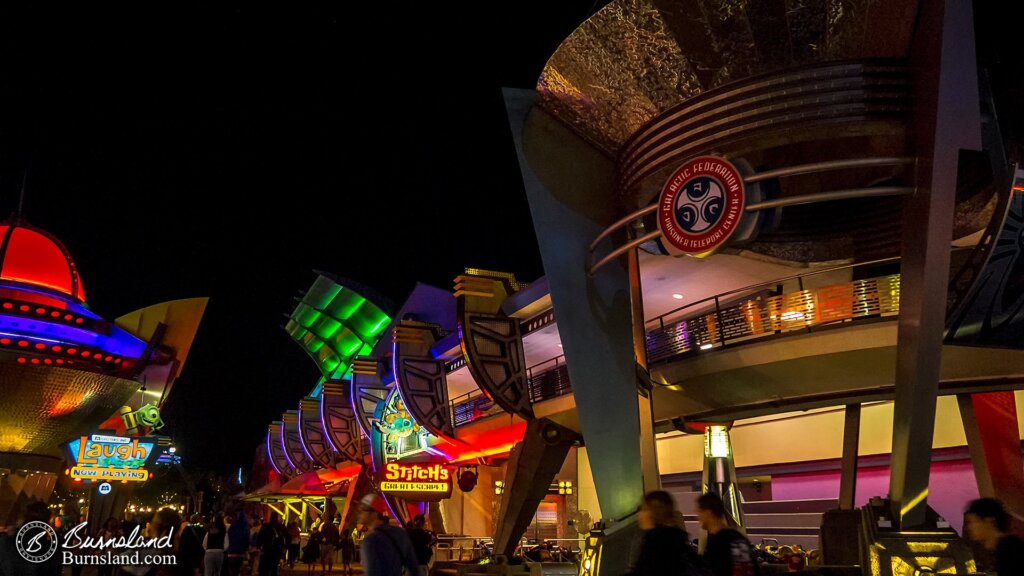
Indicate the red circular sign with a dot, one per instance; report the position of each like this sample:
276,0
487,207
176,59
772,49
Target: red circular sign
701,206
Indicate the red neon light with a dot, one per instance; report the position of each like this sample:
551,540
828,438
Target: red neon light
68,316
8,305
5,341
35,258
72,350
40,346
415,472
40,310
60,360
23,343
56,348
55,314
35,360
22,360
79,320
85,353
24,307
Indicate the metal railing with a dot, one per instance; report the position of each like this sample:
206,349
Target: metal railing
546,380
549,379
462,548
766,312
472,406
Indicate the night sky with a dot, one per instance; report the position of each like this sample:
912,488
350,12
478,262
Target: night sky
227,152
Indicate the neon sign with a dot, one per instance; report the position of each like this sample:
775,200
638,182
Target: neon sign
417,481
107,458
125,474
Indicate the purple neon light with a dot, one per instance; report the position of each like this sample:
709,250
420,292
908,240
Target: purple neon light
302,441
270,454
437,452
394,374
323,424
120,342
284,445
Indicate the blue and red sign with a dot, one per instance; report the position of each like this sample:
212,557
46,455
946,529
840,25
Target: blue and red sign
701,206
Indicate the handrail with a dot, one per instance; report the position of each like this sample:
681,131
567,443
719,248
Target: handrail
557,360
769,283
759,317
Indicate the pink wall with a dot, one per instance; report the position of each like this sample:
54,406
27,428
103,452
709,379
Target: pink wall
951,487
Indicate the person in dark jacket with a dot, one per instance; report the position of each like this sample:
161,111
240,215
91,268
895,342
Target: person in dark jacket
664,548
13,564
311,553
190,545
348,551
386,549
987,523
727,552
422,540
270,541
238,544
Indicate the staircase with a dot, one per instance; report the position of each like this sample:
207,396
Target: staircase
788,521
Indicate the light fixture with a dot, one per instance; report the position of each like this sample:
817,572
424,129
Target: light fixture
716,442
499,487
706,346
565,488
81,500
172,449
677,296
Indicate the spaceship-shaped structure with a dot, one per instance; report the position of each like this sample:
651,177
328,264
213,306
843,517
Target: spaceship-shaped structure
64,370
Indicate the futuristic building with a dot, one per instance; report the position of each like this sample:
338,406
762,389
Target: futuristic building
836,188
783,259
64,370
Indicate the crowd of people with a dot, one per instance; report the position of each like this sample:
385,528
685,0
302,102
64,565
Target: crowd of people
664,547
241,546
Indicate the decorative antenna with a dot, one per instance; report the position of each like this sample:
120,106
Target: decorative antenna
21,201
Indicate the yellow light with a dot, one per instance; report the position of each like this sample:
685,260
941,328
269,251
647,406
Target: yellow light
586,564
913,503
716,442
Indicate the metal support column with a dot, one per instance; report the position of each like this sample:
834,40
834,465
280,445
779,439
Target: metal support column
851,443
946,120
648,442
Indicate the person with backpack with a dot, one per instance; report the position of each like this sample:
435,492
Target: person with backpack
270,542
727,552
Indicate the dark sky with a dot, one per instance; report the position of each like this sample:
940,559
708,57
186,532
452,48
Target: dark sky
184,151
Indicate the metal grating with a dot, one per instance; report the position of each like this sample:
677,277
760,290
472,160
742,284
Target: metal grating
764,315
472,407
550,383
